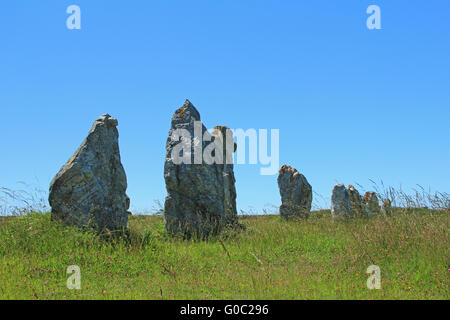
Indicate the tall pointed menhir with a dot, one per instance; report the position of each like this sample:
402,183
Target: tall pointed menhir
201,196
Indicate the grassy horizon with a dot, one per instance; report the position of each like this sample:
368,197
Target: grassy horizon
318,258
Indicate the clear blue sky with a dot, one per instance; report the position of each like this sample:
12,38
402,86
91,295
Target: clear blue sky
351,104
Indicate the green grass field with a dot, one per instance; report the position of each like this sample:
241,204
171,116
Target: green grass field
319,258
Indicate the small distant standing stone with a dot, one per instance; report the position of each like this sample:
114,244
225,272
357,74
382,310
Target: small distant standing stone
356,204
296,193
371,203
346,202
90,189
340,202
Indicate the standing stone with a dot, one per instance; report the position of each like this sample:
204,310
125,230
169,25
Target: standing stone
346,202
90,188
296,193
356,204
229,199
340,202
371,205
201,195
386,207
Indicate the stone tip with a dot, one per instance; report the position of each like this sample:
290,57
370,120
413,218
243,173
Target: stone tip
285,167
189,109
220,128
110,121
187,104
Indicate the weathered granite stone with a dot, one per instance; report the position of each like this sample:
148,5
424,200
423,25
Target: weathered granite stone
371,204
201,194
356,204
386,207
89,190
346,202
340,202
296,193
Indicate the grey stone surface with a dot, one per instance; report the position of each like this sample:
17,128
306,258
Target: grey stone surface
340,202
346,202
371,203
201,198
90,189
295,192
356,204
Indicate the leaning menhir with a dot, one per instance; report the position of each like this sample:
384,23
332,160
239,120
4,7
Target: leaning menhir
89,190
296,193
200,183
